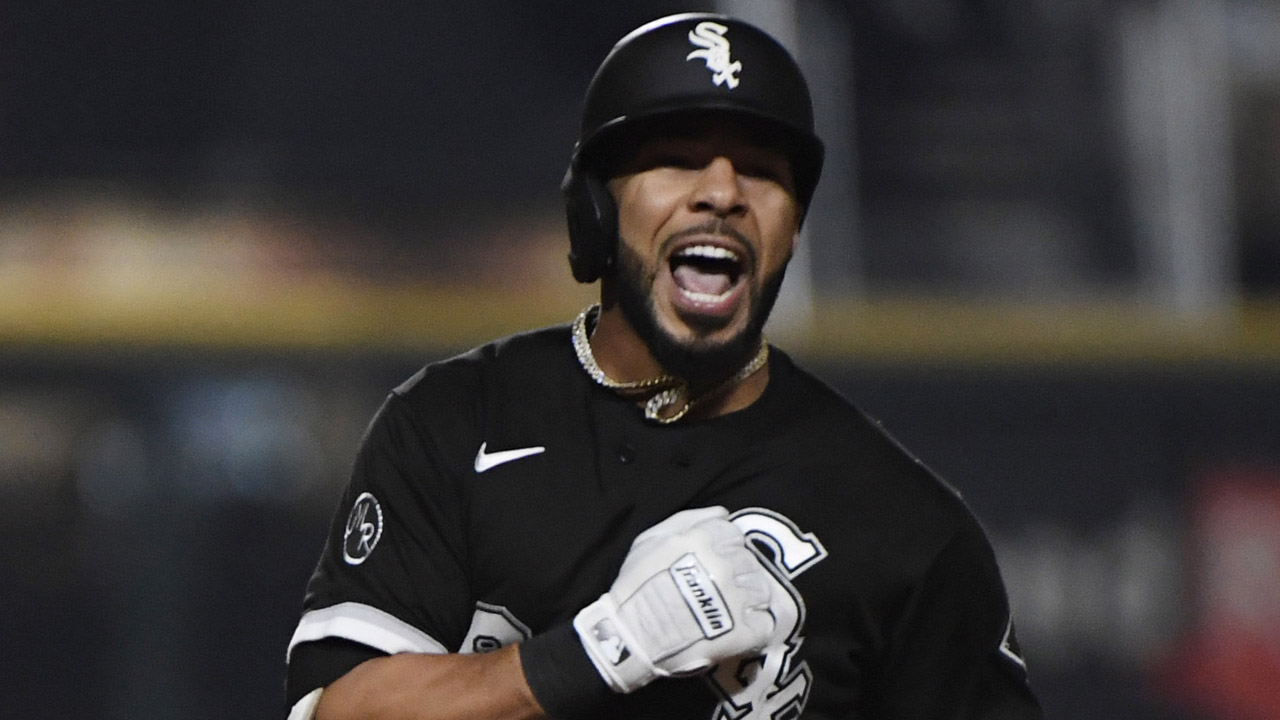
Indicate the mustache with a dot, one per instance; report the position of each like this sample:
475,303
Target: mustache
717,226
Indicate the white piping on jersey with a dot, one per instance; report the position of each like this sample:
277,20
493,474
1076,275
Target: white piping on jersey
366,625
1006,646
490,460
305,709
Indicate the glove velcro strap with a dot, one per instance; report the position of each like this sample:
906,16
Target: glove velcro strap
616,653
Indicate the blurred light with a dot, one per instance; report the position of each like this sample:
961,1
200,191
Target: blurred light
37,431
1108,593
250,438
112,466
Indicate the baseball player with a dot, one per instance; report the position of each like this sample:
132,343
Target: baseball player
650,512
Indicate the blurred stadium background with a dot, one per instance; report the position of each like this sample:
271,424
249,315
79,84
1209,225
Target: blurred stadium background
1046,254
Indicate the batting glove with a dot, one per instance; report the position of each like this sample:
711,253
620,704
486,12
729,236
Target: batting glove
689,594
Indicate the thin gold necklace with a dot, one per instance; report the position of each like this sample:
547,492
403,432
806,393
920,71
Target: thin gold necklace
673,392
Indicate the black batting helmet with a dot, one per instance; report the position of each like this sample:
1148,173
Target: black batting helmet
688,63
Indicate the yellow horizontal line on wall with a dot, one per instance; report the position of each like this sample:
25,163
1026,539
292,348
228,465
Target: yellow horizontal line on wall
1083,332
309,315
322,314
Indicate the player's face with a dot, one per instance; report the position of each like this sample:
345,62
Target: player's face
707,224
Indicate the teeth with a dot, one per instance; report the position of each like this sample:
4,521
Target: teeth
711,252
705,298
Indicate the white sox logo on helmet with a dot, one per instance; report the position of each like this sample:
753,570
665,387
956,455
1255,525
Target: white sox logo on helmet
715,52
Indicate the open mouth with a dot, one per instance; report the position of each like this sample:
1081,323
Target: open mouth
706,274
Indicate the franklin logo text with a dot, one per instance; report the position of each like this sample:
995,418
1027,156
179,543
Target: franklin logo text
702,596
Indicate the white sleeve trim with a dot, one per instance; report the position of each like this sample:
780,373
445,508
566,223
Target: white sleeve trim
305,709
364,624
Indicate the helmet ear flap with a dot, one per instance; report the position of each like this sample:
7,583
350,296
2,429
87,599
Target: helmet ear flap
593,223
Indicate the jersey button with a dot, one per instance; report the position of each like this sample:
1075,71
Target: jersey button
626,454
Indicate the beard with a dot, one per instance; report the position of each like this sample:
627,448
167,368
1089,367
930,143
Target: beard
700,362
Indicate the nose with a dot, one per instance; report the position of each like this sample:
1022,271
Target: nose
717,189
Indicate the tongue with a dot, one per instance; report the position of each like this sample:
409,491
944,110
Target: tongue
692,279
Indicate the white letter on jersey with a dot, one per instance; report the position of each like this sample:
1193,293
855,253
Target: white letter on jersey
771,687
492,627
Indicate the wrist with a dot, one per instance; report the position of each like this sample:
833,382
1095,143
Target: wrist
560,675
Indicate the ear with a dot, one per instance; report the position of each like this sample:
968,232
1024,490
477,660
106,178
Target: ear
593,223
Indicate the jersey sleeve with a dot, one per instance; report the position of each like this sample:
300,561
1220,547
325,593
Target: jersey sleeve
391,577
954,654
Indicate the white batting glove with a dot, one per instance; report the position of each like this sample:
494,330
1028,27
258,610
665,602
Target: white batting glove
689,594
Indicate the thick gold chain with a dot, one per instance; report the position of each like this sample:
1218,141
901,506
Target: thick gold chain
673,392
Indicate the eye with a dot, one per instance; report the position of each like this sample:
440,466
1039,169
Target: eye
763,163
678,160
679,155
673,153
763,171
775,171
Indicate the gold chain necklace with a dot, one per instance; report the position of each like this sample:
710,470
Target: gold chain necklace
673,392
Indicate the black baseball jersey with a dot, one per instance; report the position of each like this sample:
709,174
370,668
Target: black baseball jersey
496,494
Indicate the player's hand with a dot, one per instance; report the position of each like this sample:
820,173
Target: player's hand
689,594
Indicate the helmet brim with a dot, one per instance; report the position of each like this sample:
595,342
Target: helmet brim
613,144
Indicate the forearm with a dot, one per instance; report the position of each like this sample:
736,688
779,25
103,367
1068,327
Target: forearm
409,686
689,595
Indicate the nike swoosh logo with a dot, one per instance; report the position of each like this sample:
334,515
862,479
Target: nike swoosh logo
489,460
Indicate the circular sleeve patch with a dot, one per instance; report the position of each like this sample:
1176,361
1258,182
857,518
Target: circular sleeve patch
364,529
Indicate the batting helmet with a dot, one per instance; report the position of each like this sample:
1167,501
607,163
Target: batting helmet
688,63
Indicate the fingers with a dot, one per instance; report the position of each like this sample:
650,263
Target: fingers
753,581
682,522
709,528
741,573
759,616
689,594
723,533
